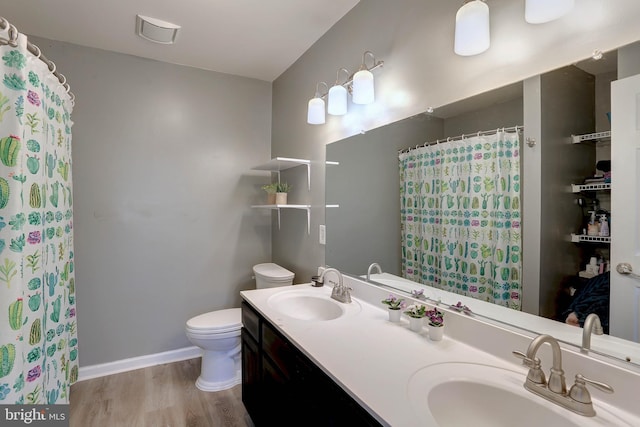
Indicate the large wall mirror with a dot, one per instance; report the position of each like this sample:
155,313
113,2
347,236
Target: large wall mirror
573,100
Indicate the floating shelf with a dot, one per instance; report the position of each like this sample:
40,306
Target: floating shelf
279,207
600,186
577,238
278,164
577,139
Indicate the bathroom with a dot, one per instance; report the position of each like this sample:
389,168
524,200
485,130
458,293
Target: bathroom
157,242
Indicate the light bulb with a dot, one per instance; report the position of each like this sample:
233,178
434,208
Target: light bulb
472,34
315,111
363,87
337,102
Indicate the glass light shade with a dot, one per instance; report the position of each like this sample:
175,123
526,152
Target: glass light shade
337,103
472,35
541,11
363,87
315,112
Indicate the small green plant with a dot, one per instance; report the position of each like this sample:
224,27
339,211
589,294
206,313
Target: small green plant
436,317
394,303
283,187
416,311
271,188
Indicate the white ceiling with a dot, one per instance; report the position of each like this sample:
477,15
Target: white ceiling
252,38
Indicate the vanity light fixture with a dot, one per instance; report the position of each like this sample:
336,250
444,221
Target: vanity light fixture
360,85
541,11
315,111
363,82
472,35
337,98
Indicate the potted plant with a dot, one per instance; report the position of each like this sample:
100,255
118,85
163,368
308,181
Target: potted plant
394,305
282,188
436,324
271,190
418,293
459,307
416,313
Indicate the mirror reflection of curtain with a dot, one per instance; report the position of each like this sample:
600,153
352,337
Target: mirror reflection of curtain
461,218
38,339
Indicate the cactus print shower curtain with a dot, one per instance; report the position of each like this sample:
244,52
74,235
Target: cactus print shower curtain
38,344
460,217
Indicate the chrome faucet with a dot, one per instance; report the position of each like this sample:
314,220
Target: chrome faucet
371,267
577,399
340,292
591,324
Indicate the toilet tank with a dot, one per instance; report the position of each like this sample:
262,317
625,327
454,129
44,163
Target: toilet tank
270,275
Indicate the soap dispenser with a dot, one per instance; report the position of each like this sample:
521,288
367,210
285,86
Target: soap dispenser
604,226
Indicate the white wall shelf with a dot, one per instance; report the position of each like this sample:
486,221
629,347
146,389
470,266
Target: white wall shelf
278,164
279,207
579,238
597,136
600,186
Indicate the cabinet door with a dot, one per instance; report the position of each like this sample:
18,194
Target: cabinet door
279,400
625,206
251,376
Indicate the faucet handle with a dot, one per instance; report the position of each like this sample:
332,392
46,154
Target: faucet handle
579,392
535,374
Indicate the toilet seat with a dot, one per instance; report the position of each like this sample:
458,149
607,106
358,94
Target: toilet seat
216,322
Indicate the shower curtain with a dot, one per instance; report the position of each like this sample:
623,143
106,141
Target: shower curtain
460,217
38,344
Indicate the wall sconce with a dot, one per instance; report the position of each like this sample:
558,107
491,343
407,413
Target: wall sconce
363,82
338,96
360,85
472,35
315,111
541,11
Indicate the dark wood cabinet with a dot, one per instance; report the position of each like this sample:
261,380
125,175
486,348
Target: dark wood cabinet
281,386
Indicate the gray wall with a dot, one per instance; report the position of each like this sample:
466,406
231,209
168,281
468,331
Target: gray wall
629,60
162,188
415,38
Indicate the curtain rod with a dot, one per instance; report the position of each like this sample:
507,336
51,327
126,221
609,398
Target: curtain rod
513,129
13,42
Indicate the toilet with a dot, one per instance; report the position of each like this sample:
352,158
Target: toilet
217,333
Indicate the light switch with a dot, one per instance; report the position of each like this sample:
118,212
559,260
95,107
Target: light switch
323,235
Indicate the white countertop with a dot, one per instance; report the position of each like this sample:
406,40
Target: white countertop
373,359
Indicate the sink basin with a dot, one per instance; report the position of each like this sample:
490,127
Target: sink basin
457,394
307,304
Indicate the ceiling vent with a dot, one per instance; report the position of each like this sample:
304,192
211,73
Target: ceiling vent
156,30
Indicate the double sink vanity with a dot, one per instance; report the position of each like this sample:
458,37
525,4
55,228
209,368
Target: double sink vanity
309,359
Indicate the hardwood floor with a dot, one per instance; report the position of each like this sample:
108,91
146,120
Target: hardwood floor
158,396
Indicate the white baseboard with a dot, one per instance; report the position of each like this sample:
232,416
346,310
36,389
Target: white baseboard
103,369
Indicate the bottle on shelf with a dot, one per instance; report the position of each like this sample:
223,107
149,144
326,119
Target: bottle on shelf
592,227
604,226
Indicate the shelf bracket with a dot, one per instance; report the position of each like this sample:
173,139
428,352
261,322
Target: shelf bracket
278,215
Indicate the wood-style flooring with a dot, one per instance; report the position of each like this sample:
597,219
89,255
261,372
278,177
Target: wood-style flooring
158,396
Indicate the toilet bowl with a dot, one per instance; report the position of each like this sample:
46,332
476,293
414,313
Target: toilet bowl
217,333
